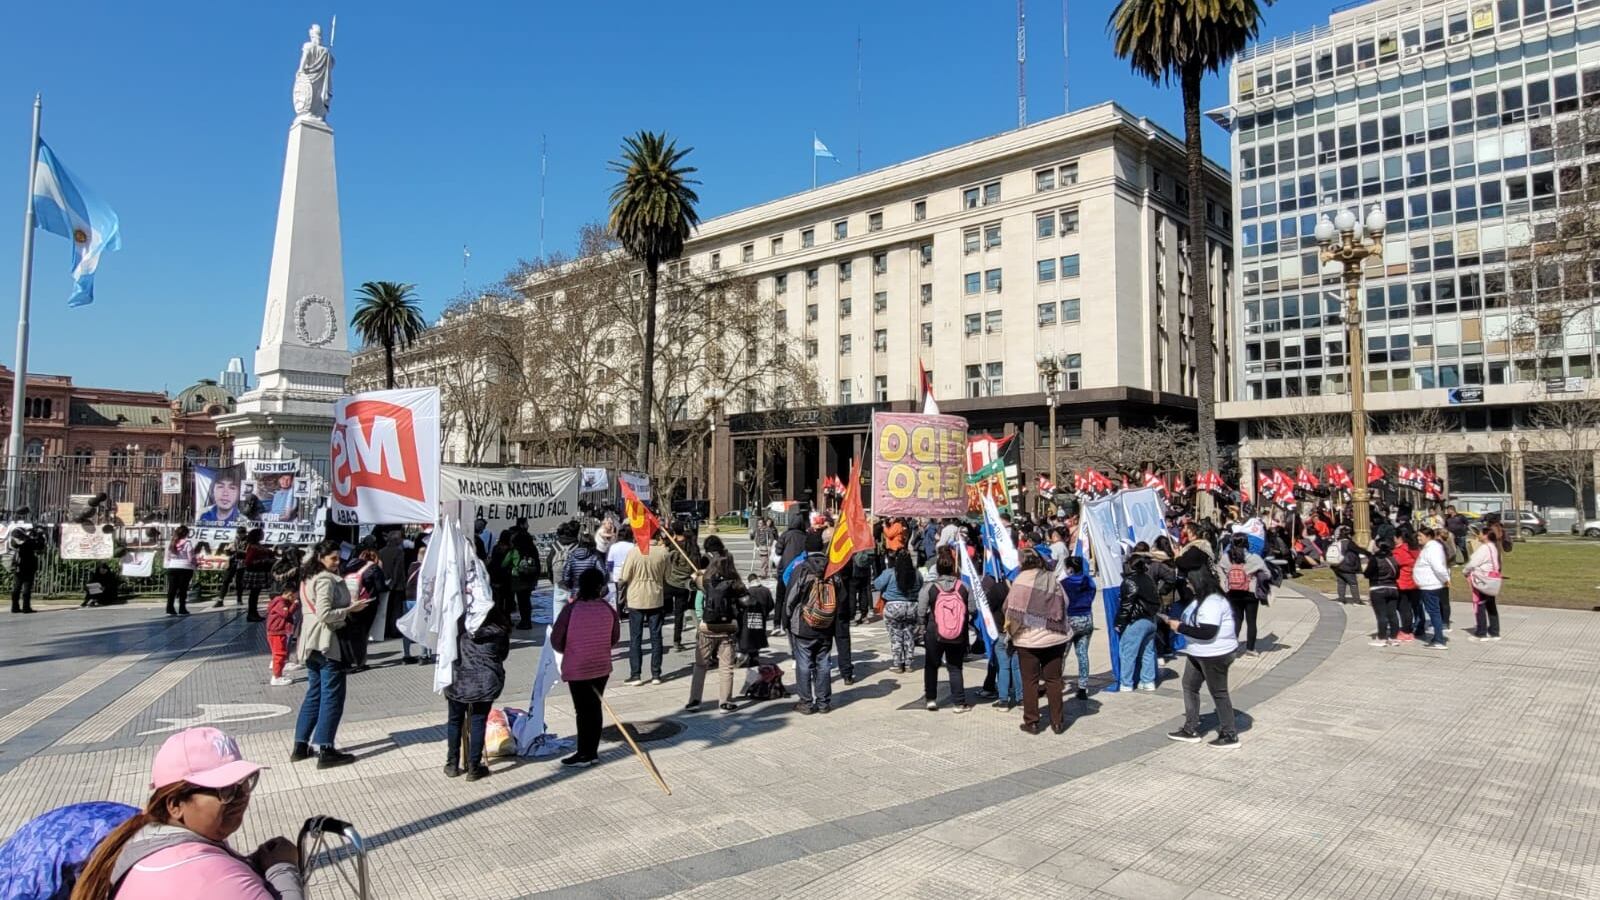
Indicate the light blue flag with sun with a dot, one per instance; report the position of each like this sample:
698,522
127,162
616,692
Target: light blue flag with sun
64,205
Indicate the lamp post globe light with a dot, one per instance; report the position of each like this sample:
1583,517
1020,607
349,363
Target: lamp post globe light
1051,366
1345,241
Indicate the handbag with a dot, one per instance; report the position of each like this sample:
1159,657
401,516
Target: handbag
1487,582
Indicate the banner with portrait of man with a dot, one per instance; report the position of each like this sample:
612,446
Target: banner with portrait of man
278,489
218,493
271,495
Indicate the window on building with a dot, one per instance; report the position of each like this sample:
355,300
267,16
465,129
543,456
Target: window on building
880,389
880,340
925,253
1044,226
919,210
845,341
811,348
845,268
1074,371
811,312
972,283
992,321
1069,310
811,277
780,283
1047,270
1069,266
119,457
844,307
36,407
974,381
34,450
880,263
995,373
991,236
841,229
716,261
991,280
1069,220
780,319
880,302
875,221
927,334
775,246
970,198
970,240
153,459
844,391
972,324
747,253
117,491
1044,180
1068,174
1047,314
925,294
991,193
808,237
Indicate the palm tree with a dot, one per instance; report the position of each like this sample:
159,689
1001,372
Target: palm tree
1183,41
652,214
388,314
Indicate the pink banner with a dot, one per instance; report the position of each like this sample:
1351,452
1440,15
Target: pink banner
919,465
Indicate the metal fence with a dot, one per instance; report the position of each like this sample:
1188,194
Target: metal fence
46,488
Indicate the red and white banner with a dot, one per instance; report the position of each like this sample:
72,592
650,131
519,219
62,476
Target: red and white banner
385,453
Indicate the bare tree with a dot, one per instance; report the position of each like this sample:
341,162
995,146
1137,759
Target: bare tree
479,390
1564,445
1313,438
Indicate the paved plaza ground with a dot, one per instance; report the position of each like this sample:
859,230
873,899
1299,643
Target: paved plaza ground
1364,772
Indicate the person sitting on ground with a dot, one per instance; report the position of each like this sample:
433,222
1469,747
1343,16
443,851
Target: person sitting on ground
177,848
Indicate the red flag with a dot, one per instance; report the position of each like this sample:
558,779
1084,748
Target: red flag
643,522
1264,484
852,534
1046,486
1152,480
1338,477
1434,488
1177,484
1374,471
1282,486
930,406
1304,480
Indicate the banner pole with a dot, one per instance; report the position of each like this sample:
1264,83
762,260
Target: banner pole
20,377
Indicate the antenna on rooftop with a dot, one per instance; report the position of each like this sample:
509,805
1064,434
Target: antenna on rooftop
1022,64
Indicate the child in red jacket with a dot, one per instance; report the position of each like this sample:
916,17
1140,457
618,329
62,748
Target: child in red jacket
280,620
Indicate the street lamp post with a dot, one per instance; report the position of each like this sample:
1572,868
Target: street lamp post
1050,366
1343,242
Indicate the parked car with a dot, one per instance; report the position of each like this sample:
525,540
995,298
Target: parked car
1590,528
1532,522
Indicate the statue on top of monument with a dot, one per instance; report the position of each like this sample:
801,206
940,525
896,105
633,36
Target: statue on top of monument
313,81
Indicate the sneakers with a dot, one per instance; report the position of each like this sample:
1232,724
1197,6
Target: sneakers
1492,637
329,758
300,751
727,707
1148,688
933,706
481,771
408,660
632,680
691,706
964,708
1081,694
804,708
451,770
1405,637
579,761
1251,654
1226,742
1184,735
281,681
1377,642
1030,729
656,680
1431,645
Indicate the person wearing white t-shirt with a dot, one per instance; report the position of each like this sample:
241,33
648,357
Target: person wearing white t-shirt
1432,575
1213,640
617,554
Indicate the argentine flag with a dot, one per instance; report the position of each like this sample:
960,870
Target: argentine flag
63,205
819,149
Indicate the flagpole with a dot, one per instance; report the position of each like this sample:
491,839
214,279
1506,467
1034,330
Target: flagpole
20,378
813,161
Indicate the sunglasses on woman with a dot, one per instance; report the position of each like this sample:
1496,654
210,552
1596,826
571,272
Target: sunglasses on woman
233,793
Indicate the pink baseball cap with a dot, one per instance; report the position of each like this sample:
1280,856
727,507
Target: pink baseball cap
201,756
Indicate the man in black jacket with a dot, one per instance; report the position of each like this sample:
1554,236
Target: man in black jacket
25,545
791,544
810,646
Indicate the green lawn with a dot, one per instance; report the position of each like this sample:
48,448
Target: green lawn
1559,572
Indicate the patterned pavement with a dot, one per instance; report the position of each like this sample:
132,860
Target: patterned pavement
1364,772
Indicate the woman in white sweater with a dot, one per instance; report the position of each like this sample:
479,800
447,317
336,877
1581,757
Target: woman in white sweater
1432,574
1485,559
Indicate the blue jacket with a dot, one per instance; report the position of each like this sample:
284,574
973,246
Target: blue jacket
1080,590
582,557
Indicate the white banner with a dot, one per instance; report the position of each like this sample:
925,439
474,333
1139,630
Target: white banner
594,481
86,542
1099,518
138,563
640,484
385,453
1142,515
545,497
171,483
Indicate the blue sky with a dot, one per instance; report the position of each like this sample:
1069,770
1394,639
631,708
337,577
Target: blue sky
177,112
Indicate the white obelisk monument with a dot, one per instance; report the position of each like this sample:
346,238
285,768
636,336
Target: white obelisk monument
303,358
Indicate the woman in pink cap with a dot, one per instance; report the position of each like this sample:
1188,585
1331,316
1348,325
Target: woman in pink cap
177,849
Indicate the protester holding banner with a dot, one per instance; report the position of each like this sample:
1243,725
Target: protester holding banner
179,563
584,634
325,610
1036,620
480,676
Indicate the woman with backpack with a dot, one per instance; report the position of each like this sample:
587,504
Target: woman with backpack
898,588
1243,574
1383,587
1482,572
1036,622
946,607
719,624
1080,588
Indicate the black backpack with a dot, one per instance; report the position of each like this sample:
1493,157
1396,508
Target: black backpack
718,612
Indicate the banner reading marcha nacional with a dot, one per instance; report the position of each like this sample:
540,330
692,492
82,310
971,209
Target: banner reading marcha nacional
919,465
385,453
545,497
